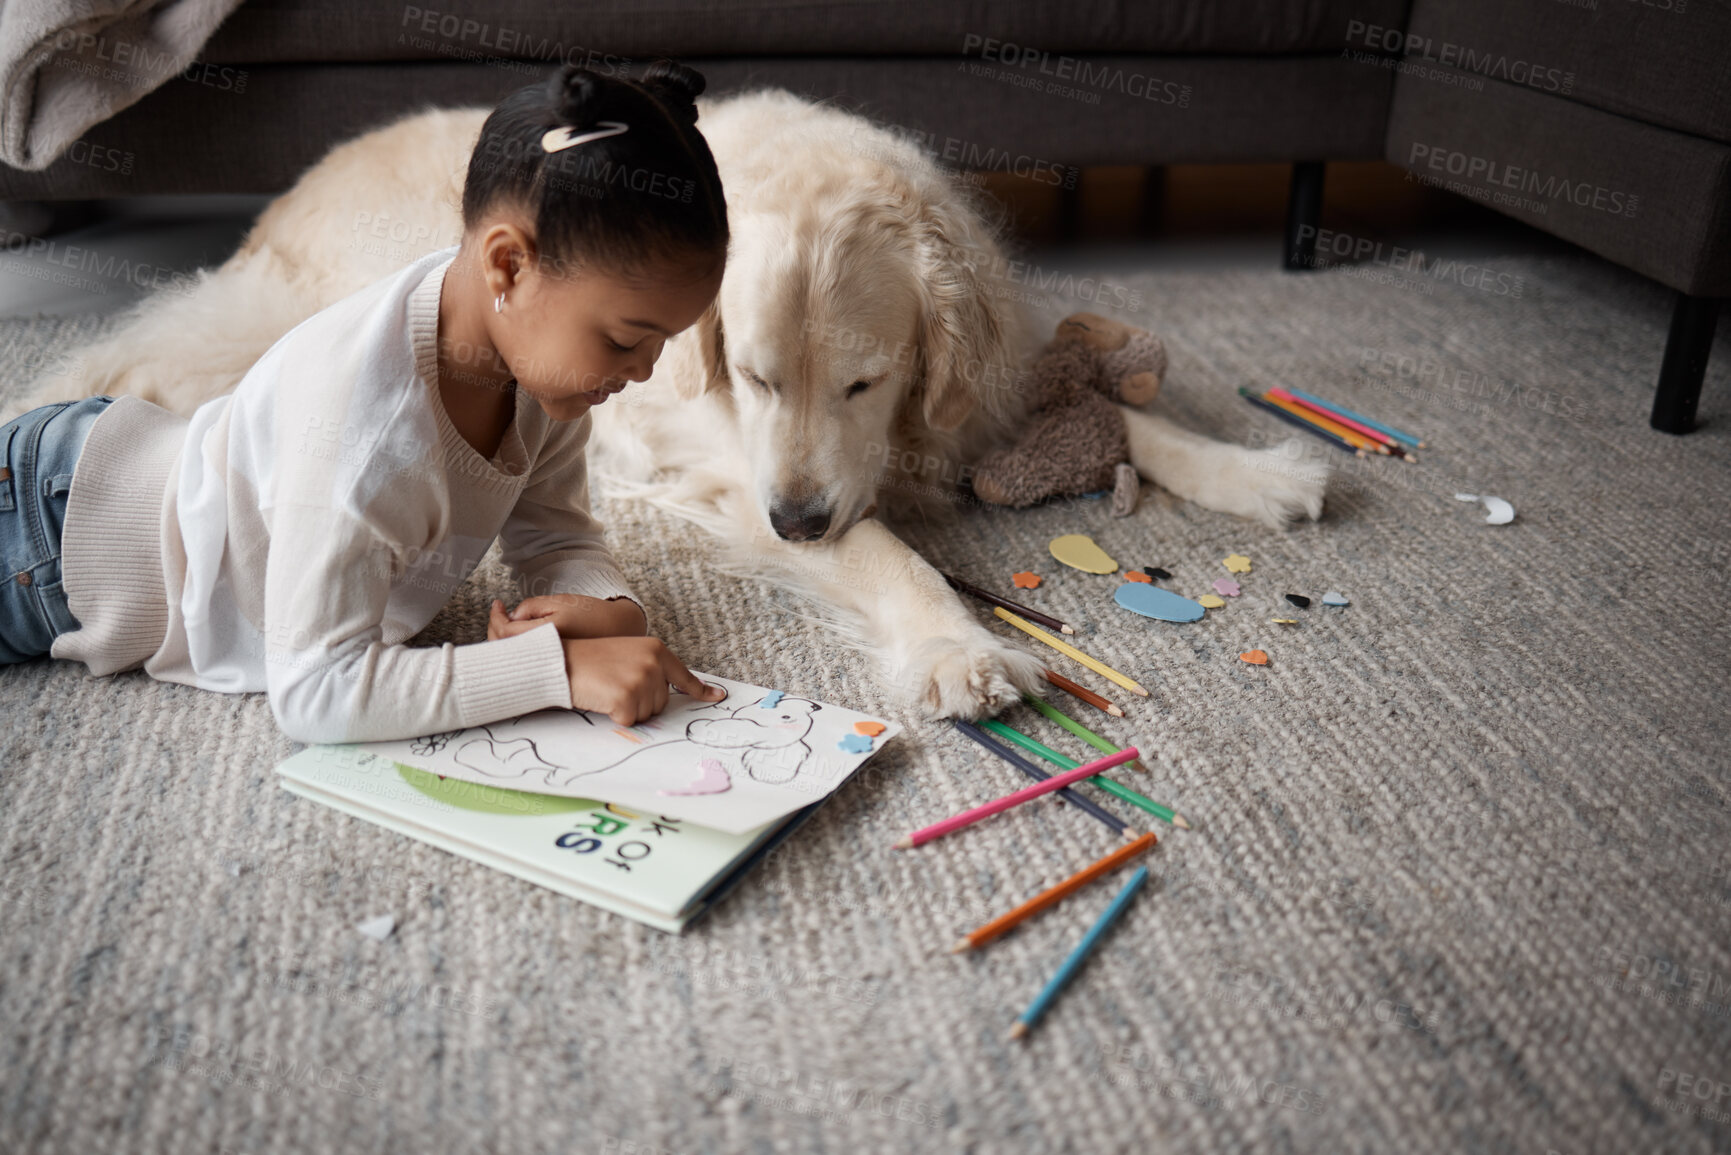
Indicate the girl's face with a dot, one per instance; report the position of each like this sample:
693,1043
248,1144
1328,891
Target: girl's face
573,337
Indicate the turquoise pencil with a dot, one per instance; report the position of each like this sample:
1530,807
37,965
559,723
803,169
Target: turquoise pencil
1390,430
1059,981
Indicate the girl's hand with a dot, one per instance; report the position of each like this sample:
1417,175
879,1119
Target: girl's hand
573,615
627,678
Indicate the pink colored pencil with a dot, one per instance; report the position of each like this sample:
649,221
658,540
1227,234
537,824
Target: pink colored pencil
1375,435
1055,782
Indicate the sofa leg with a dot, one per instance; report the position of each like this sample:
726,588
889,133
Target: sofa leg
1303,214
1685,363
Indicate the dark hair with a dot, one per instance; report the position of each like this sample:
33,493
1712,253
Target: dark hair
648,194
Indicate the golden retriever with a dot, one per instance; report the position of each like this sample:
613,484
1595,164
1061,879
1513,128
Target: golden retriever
857,331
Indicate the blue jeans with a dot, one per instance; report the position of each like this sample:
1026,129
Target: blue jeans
39,451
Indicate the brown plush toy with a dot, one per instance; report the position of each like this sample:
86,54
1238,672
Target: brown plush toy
1075,440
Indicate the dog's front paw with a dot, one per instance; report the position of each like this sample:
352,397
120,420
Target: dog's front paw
972,678
1278,486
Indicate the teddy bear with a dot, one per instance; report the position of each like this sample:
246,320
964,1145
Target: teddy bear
1075,441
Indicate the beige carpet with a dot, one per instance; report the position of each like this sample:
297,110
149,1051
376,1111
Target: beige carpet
1459,878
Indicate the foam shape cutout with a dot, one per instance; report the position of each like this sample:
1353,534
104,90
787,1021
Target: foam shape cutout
1079,551
378,928
1211,601
1237,563
1151,601
1335,598
1131,575
869,729
712,778
771,699
1255,657
854,743
1226,587
1026,580
1284,621
1299,600
1156,573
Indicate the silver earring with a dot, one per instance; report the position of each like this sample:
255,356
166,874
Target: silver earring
499,303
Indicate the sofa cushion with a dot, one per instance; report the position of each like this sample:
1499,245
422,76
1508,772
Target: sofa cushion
274,31
1653,199
1667,62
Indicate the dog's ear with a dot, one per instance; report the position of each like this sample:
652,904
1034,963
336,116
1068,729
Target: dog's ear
965,333
709,370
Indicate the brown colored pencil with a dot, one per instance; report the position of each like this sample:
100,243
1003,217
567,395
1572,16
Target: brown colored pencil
975,939
1083,693
993,599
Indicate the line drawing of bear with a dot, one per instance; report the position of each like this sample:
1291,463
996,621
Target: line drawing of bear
767,742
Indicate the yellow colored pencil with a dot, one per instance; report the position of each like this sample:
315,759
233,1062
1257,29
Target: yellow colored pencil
1070,651
1351,436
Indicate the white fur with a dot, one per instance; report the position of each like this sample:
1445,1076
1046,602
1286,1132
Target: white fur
854,258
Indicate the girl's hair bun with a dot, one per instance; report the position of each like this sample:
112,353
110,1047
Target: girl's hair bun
677,87
577,96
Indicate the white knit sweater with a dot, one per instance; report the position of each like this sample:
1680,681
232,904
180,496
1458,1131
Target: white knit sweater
293,534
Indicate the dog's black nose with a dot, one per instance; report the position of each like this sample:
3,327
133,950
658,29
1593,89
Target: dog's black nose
799,522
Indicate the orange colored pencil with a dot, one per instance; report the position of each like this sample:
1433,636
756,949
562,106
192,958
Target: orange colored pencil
975,939
1083,693
1395,448
1350,436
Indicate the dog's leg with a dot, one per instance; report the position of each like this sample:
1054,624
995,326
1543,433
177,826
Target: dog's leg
929,643
1273,486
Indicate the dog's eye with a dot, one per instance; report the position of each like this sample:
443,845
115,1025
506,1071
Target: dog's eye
858,387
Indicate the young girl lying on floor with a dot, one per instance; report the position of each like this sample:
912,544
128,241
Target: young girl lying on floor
294,534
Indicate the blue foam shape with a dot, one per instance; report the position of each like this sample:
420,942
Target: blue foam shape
771,700
1152,601
855,743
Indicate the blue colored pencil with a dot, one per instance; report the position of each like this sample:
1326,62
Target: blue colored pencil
1358,417
1293,419
1066,972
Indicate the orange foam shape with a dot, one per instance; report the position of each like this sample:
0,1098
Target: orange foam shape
1255,657
1026,580
869,729
1136,575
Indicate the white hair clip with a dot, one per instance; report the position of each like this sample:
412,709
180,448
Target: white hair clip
560,139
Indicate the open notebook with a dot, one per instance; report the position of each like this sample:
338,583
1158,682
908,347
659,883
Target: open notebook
661,871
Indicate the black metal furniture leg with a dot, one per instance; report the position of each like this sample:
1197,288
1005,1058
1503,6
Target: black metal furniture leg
1685,363
1303,214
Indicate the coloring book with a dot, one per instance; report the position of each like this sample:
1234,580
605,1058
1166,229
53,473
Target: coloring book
734,765
648,866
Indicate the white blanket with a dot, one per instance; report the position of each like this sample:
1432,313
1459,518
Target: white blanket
68,64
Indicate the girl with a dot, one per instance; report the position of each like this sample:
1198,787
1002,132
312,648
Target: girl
293,534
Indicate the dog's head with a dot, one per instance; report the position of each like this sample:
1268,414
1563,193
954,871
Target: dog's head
853,328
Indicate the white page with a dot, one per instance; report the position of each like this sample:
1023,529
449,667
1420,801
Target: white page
775,757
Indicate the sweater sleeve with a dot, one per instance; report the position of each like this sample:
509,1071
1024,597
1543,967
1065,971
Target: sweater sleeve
550,538
331,678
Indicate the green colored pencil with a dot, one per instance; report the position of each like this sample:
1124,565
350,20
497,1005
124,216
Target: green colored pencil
1077,728
1163,813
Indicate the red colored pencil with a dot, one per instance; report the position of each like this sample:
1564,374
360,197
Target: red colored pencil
1026,794
1083,693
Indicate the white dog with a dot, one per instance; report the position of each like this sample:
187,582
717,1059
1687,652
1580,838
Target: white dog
857,328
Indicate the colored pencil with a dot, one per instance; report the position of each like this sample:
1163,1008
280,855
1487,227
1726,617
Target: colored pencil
1407,438
1068,968
1025,794
1394,447
1069,794
1082,692
1338,442
1072,652
1115,789
1329,424
1056,715
993,599
1051,896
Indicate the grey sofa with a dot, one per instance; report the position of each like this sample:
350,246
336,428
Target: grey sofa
1029,83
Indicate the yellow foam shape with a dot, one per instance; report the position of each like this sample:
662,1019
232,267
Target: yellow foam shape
1078,551
1211,601
1237,563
